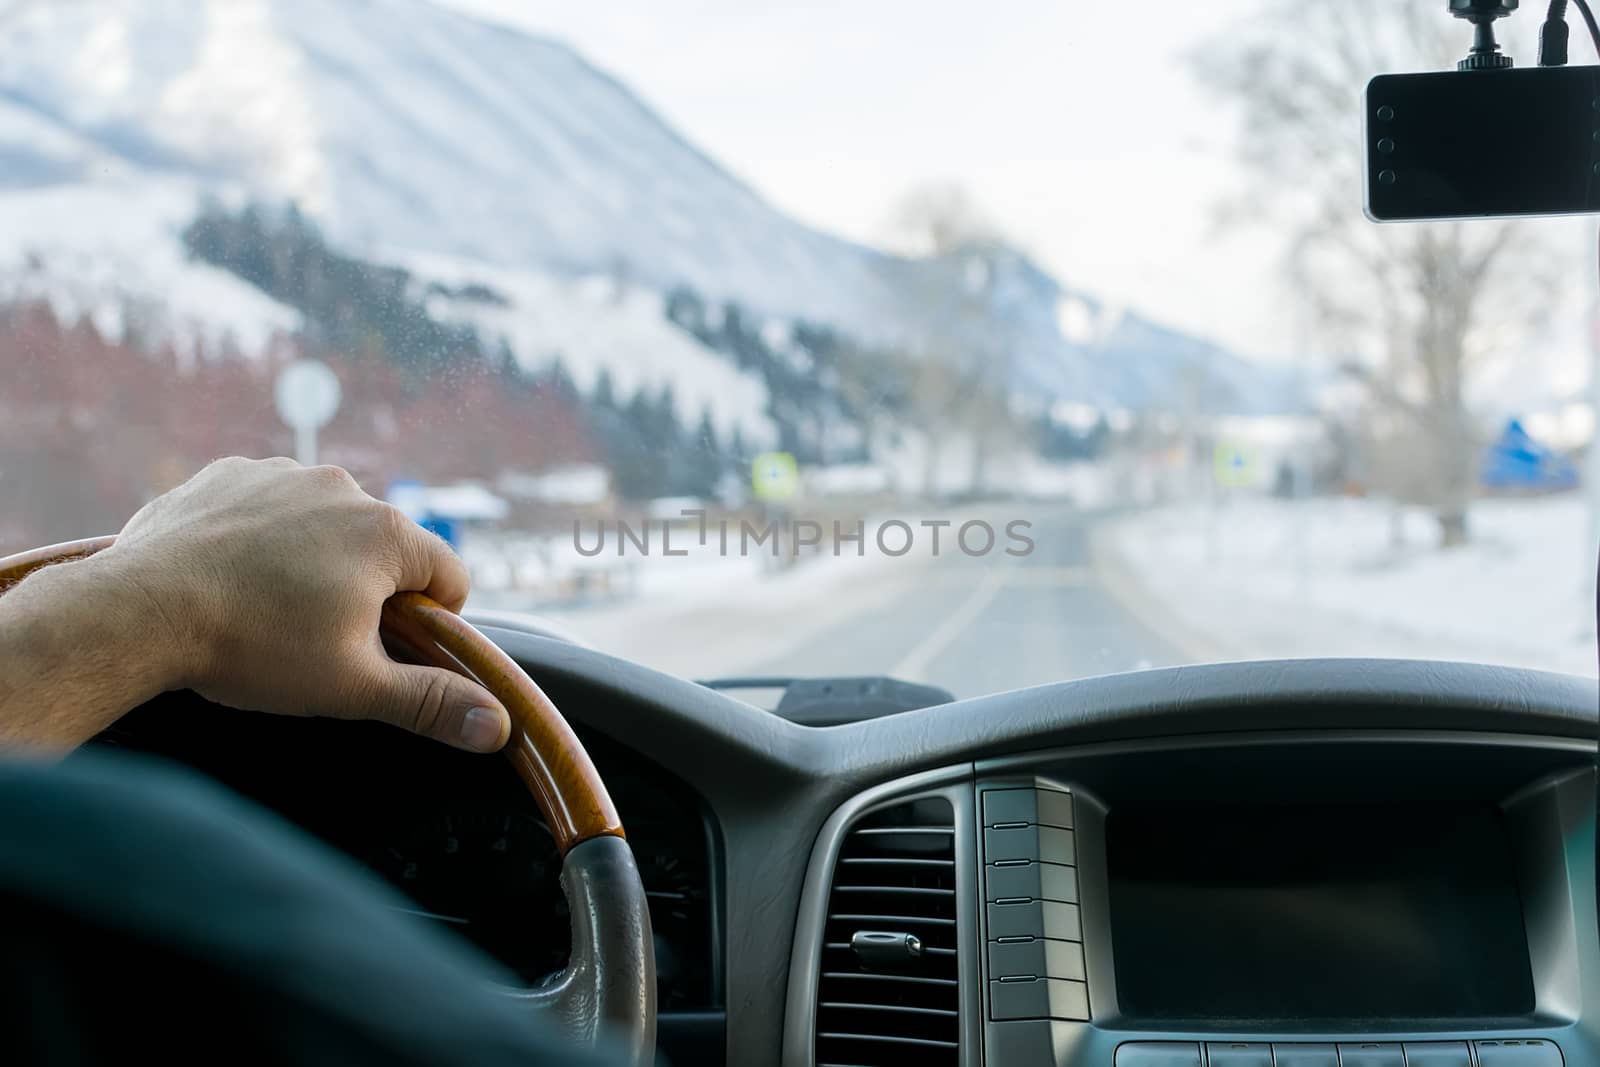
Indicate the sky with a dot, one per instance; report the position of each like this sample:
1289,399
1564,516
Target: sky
1076,125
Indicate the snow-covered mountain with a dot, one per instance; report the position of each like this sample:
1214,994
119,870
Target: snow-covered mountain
416,135
402,125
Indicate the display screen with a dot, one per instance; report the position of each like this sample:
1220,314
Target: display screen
1316,913
1454,144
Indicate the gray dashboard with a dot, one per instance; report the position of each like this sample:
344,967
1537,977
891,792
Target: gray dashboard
775,788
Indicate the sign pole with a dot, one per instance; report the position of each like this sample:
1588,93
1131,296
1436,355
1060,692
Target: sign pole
305,445
307,395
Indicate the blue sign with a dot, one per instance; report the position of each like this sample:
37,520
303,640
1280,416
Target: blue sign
1517,461
445,528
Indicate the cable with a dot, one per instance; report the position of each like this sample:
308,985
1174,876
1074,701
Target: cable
1588,20
1594,442
1553,34
1553,53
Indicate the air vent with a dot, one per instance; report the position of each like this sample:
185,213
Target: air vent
890,998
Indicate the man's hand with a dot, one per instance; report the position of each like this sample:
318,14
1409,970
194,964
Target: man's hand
258,584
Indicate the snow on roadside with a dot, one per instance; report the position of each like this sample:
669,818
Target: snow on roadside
708,615
1264,578
720,613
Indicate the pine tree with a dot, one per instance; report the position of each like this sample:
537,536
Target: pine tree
506,359
561,385
705,458
604,395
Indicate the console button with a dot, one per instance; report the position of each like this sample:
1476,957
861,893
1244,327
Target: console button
1035,918
1010,843
1534,1052
1159,1054
1437,1054
1046,807
1057,846
1037,881
1015,920
1029,843
1372,1054
1039,998
1238,1054
1305,1055
1039,957
1062,920
1018,1041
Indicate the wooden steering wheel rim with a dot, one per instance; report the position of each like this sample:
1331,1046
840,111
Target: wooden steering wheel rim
545,752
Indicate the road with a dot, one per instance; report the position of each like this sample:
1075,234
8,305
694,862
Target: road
981,625
970,625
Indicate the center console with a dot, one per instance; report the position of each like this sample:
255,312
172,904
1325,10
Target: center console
1291,900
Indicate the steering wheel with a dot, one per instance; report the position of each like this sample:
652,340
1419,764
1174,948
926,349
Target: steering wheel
609,982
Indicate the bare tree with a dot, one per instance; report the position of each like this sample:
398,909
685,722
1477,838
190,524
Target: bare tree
1406,309
961,380
939,218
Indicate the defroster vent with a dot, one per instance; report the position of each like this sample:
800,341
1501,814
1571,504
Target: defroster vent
888,995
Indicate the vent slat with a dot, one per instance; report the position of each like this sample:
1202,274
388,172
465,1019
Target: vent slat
923,1042
844,946
872,976
846,1005
862,861
896,858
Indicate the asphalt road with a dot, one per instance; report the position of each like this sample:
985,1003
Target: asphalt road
979,625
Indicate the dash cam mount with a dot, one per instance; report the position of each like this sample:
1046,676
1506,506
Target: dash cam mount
1485,53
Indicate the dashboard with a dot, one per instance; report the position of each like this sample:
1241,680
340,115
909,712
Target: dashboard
1309,898
1321,863
458,835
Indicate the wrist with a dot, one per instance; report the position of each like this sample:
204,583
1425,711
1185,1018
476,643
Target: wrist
77,650
147,623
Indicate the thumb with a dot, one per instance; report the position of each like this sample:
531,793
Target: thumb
437,703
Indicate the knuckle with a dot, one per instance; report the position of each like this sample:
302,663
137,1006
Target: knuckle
224,465
392,524
331,476
429,715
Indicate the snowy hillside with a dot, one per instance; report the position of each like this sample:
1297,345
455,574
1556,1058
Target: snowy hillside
412,134
400,125
111,250
592,325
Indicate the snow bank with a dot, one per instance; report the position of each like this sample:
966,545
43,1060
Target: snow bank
1262,578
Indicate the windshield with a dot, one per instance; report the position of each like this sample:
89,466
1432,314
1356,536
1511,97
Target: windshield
981,345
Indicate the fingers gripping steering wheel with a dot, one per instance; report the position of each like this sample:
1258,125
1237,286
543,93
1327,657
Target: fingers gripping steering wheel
609,982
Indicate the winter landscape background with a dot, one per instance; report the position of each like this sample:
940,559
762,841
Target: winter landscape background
540,296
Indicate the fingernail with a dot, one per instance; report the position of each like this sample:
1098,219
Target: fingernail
481,729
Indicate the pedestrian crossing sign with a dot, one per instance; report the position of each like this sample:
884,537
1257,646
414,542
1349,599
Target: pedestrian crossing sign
774,476
1234,465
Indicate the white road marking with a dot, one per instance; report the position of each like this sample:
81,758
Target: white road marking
915,663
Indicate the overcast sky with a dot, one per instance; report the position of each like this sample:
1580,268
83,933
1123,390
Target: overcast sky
1076,123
